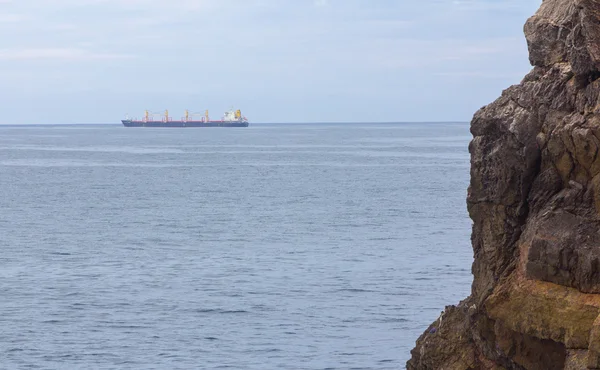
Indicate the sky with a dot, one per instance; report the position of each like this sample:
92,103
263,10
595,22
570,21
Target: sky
95,61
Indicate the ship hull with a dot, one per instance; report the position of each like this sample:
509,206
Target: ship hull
130,123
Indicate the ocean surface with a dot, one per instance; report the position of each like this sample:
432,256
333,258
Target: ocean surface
279,246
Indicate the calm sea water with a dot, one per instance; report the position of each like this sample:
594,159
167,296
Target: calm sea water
277,246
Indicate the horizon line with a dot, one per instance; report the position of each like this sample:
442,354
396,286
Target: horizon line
252,123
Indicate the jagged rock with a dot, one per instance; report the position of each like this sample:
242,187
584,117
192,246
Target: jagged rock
565,31
534,198
446,343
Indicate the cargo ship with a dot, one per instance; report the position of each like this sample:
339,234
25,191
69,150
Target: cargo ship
231,118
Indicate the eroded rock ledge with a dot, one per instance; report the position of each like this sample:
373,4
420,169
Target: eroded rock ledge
534,199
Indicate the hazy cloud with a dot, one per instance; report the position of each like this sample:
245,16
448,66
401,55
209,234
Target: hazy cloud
65,54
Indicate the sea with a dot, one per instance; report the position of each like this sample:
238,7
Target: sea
277,246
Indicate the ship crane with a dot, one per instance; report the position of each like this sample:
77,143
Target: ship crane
192,117
156,116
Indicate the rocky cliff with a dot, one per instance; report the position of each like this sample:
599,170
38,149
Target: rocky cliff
534,199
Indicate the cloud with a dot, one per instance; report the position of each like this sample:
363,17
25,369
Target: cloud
478,74
66,54
13,18
494,4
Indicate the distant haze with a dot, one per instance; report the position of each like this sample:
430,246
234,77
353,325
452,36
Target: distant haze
93,61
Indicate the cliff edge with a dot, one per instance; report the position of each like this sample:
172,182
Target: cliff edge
534,199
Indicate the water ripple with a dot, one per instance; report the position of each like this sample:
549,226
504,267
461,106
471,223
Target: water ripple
278,246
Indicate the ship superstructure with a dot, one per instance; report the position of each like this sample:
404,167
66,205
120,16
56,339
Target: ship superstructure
231,118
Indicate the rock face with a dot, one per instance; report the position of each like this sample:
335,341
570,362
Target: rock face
534,199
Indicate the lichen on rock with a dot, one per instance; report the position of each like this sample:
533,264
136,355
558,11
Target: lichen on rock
534,199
